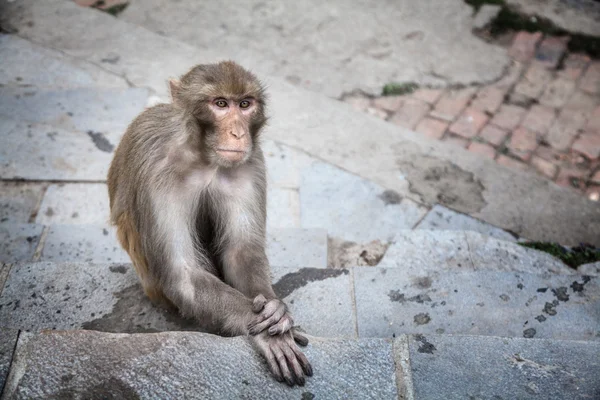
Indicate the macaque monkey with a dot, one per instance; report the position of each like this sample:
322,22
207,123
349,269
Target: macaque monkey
187,194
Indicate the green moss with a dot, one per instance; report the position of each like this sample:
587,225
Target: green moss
399,88
572,257
116,10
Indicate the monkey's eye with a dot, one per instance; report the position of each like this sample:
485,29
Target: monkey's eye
244,104
221,103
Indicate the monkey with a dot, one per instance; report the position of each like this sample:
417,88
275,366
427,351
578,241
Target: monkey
187,191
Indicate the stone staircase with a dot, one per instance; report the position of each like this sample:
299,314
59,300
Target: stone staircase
453,308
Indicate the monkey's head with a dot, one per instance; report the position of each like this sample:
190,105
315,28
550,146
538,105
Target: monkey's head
227,103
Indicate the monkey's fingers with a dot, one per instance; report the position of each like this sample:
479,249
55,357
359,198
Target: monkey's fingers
285,324
273,364
282,363
260,324
299,338
259,303
295,365
303,361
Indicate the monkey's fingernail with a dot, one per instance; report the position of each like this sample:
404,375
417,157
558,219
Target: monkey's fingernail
272,331
301,381
289,381
309,370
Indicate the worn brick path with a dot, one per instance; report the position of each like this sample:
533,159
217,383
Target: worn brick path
543,115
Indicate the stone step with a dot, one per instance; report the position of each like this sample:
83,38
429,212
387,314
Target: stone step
79,364
357,302
414,167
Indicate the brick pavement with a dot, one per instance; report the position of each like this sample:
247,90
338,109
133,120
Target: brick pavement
542,116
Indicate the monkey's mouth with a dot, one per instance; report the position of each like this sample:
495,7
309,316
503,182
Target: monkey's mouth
231,154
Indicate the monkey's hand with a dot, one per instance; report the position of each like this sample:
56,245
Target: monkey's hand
284,358
272,315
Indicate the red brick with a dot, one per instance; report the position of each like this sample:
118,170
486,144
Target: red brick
389,103
494,135
565,129
511,163
456,141
596,178
452,103
523,46
509,116
539,119
593,125
544,167
573,66
428,95
590,82
359,103
588,144
489,99
411,112
469,123
433,128
558,92
582,101
550,51
571,178
533,82
522,143
483,149
513,75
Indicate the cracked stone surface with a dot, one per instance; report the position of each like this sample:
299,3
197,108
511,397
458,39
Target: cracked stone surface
297,247
19,200
75,203
8,341
428,42
191,365
460,367
18,241
391,302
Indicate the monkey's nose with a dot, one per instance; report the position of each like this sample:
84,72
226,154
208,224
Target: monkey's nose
238,133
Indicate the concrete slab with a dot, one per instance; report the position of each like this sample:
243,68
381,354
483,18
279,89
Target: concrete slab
44,152
458,367
75,203
283,208
8,342
26,64
421,250
390,302
353,208
19,200
413,166
83,243
283,165
297,248
441,217
104,112
18,241
191,365
320,300
399,41
589,269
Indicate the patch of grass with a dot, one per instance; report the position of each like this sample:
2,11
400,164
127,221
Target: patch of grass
574,257
392,89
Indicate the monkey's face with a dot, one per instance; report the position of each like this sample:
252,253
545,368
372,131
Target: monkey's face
231,141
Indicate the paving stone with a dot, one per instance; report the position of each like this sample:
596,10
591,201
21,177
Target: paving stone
359,103
522,143
19,200
533,83
511,163
430,96
442,218
565,129
456,141
43,152
8,342
175,365
573,66
590,82
539,119
558,93
469,123
18,241
389,103
544,167
478,367
582,101
512,75
320,300
108,111
89,243
489,99
282,165
75,203
452,103
523,46
493,134
4,271
509,116
411,112
571,177
367,212
26,64
391,302
551,51
588,144
297,247
483,149
593,125
283,208
431,127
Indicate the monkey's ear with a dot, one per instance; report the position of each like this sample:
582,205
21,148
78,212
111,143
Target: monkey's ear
174,86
